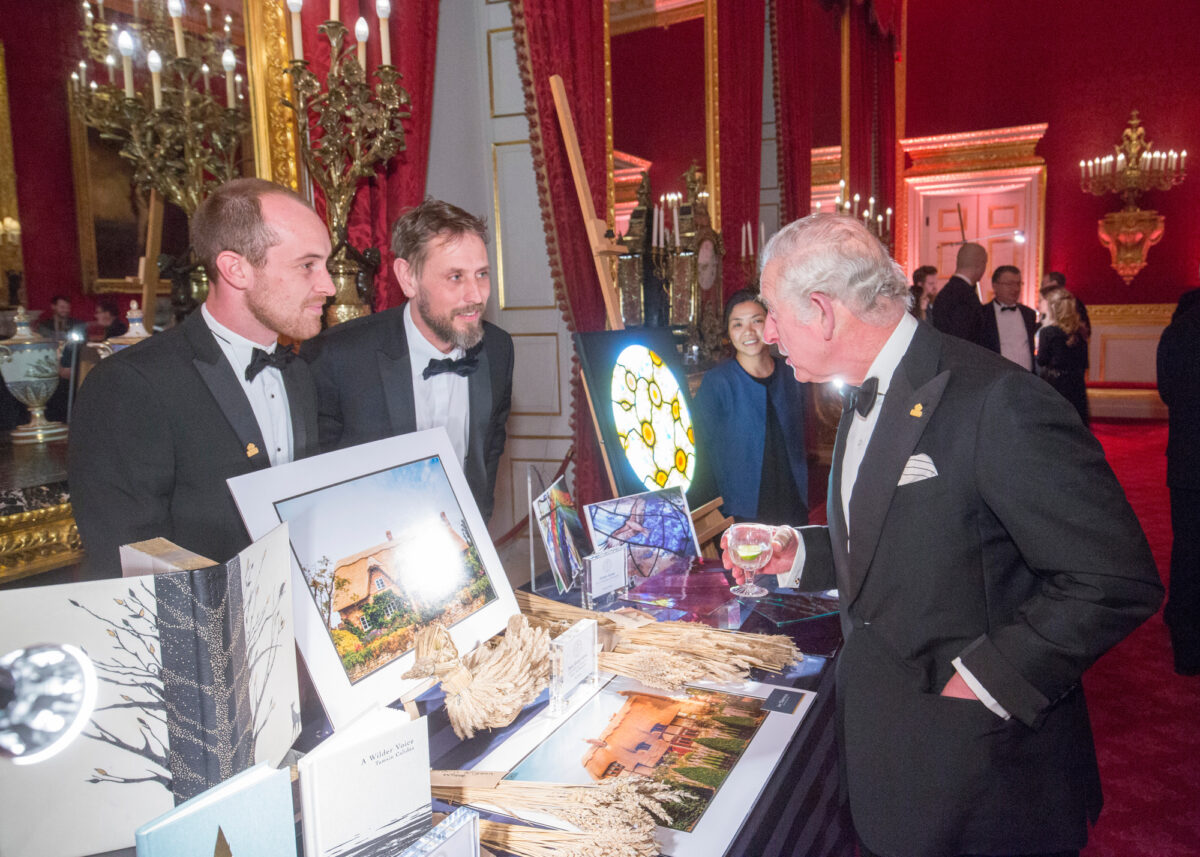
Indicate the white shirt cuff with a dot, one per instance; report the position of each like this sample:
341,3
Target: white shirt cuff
791,578
979,690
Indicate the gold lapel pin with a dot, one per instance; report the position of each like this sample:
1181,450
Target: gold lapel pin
917,411
251,450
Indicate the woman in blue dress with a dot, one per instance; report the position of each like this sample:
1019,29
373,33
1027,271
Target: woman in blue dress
750,420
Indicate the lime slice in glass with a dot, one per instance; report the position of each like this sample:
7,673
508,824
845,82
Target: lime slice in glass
749,553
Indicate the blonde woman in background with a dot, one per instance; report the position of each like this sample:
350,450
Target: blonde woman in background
1062,349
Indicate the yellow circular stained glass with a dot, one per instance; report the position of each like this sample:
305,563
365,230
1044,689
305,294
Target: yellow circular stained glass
652,420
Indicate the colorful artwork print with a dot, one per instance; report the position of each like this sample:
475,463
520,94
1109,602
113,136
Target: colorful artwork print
652,420
656,526
562,533
384,554
691,741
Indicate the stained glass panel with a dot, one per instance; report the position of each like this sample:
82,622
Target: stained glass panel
652,420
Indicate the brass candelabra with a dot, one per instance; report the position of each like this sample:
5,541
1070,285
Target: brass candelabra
350,129
1134,168
181,140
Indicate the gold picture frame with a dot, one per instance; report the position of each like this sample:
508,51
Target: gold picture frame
10,245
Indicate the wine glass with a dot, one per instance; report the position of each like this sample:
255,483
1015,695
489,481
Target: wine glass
749,547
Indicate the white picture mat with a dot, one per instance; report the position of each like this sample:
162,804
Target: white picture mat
256,494
739,792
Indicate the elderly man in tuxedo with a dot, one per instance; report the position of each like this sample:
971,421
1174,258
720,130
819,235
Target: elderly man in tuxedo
159,426
1007,326
963,723
433,361
956,308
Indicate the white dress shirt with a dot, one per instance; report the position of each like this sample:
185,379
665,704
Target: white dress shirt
1014,337
444,399
857,439
267,394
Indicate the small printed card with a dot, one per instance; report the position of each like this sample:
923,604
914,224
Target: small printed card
783,701
605,572
573,660
457,835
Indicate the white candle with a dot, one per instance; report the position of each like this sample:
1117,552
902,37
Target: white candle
100,6
383,8
1183,160
207,17
237,79
1082,171
175,10
82,71
856,202
228,62
361,32
154,61
111,62
675,222
135,10
75,80
205,71
871,206
743,241
750,238
334,10
762,236
125,46
294,6
889,220
818,208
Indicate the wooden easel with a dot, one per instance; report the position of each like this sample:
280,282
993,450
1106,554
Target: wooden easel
708,520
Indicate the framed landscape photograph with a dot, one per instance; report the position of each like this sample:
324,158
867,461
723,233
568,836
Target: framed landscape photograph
386,539
716,744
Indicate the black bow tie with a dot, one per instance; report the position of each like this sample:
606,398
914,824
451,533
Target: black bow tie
860,399
1004,308
260,360
463,366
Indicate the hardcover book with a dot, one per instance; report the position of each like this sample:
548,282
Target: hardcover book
248,815
365,790
197,682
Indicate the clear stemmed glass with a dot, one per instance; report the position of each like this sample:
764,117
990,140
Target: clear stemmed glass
749,547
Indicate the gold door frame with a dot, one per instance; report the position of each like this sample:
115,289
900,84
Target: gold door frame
268,52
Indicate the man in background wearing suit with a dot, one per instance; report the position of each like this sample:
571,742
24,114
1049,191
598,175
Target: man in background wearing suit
962,720
433,361
1008,326
159,426
956,309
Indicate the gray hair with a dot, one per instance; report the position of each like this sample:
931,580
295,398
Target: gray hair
836,255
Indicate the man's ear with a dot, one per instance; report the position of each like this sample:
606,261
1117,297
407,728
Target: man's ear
405,277
825,318
233,269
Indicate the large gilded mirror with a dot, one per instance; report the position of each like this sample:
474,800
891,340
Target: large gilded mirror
11,265
663,80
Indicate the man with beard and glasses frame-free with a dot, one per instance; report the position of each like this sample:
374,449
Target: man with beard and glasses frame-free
433,361
159,426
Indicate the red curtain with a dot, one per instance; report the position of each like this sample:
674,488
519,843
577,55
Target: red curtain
791,25
563,37
399,184
872,109
740,29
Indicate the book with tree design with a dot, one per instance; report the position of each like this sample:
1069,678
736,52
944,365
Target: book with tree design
197,682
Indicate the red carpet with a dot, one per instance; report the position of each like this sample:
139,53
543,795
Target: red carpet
1143,714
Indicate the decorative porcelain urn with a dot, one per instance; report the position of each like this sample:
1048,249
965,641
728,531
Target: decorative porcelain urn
29,364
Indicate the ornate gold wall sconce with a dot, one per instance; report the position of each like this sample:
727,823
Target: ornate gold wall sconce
1133,168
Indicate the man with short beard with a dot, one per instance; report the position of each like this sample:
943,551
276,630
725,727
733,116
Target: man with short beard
159,426
433,361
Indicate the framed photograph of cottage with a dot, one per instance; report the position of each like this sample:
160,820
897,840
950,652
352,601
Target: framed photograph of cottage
716,744
386,539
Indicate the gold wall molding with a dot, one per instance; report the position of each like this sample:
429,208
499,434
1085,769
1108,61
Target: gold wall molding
492,76
557,412
995,148
274,125
498,219
37,541
826,165
10,252
1130,314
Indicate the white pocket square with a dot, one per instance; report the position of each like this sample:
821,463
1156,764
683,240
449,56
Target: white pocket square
917,467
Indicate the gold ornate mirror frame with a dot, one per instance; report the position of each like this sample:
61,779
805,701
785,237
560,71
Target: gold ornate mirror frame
625,16
10,248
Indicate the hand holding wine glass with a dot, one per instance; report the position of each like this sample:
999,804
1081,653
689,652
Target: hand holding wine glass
749,547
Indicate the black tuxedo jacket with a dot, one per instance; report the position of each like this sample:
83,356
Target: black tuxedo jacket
157,429
364,386
989,333
955,310
1022,557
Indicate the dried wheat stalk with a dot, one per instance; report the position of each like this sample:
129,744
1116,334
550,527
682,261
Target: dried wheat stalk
536,842
627,802
489,687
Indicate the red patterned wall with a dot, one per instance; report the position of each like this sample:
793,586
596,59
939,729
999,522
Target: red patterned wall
40,46
1081,67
